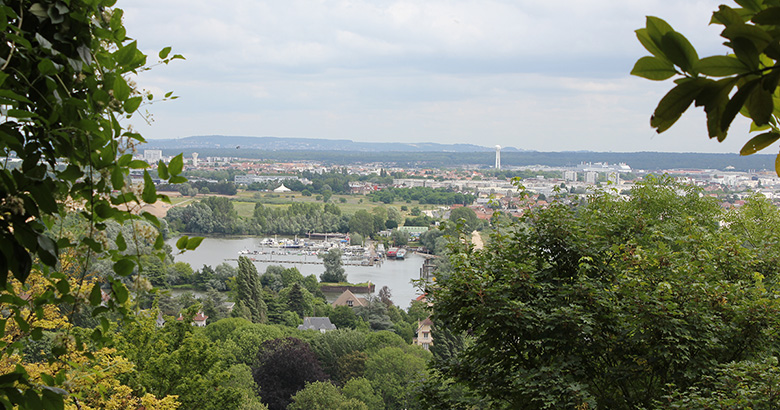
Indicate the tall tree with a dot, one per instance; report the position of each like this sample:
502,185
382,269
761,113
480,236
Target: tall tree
295,301
334,269
249,292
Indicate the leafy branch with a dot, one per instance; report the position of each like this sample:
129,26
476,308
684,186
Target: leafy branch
744,81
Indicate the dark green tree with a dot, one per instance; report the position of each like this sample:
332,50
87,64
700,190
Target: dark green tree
249,292
295,301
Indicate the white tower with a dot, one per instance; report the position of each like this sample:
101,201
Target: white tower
194,159
498,157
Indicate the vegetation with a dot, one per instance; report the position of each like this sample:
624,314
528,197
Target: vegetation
743,81
614,304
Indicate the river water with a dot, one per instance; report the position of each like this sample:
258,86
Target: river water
395,274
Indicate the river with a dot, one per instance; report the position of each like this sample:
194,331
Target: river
395,274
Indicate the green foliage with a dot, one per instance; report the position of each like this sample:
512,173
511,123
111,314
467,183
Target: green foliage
743,81
610,304
394,374
249,292
424,195
334,269
362,223
360,389
282,368
64,87
322,396
465,216
333,345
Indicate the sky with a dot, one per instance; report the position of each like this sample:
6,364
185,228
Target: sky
535,75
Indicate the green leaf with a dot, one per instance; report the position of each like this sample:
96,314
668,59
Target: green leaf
124,267
760,105
751,5
770,17
132,104
151,218
754,127
657,28
176,165
757,36
138,164
121,89
746,52
653,68
104,211
721,66
736,102
759,142
181,244
125,55
71,173
117,178
120,291
149,194
95,296
162,170
177,180
47,67
62,286
193,243
680,51
674,104
159,242
164,53
121,245
777,165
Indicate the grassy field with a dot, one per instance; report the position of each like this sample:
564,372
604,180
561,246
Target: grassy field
244,202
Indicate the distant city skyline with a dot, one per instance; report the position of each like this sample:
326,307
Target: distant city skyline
532,75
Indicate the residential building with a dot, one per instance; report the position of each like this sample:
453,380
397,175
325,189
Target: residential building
422,336
322,324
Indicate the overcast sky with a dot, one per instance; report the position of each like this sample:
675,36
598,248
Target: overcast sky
538,75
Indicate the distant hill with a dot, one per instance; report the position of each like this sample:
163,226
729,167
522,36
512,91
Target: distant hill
432,155
309,144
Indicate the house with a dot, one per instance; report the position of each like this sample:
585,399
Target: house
197,320
317,323
422,336
349,299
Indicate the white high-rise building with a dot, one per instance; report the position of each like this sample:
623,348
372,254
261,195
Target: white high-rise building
498,157
152,156
194,159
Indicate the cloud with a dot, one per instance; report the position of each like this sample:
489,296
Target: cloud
537,75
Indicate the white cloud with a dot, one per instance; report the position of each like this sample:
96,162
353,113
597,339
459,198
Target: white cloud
536,75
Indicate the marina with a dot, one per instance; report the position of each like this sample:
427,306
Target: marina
393,273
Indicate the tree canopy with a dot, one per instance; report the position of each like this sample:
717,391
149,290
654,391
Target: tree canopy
614,304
